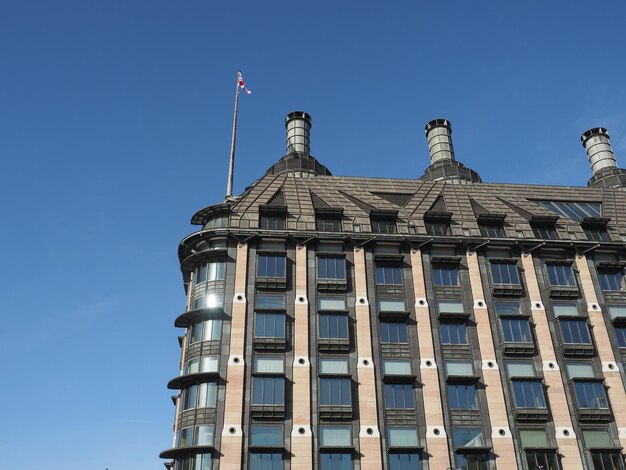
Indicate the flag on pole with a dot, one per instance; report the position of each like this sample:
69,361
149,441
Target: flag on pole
242,85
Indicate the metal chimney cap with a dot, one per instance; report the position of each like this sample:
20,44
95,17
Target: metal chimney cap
298,115
439,122
591,132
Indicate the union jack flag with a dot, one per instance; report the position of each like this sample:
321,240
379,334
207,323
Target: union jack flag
242,85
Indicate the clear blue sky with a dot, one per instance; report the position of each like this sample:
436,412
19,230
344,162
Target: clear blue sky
115,127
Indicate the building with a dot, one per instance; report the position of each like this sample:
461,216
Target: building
371,323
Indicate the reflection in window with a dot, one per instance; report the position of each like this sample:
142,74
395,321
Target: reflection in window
573,210
268,301
388,274
391,305
575,331
591,395
212,271
267,390
401,436
335,436
445,274
333,326
331,267
271,266
334,366
561,275
528,394
611,279
269,324
202,395
399,395
467,436
473,461
266,461
201,365
508,308
404,461
217,221
336,461
396,367
393,332
504,273
516,330
208,330
598,234
462,396
196,462
266,435
453,333
335,391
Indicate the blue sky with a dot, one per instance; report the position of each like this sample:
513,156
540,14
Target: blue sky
115,127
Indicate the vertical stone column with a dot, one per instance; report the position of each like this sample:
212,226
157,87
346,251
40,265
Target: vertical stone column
232,434
436,441
369,434
301,437
501,436
565,436
612,378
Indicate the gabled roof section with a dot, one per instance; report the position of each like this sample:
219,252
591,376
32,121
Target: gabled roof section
278,199
439,205
398,199
357,202
318,202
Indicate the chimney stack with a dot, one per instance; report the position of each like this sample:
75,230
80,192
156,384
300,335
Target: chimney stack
597,143
298,125
439,136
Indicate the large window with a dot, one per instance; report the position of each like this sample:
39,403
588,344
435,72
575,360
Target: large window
504,272
329,267
469,438
388,274
199,365
446,274
271,266
404,461
573,210
534,441
611,279
575,331
335,391
202,395
399,396
212,271
591,395
453,333
336,461
561,275
516,330
196,462
269,325
462,396
266,435
208,330
333,326
528,393
268,390
195,436
393,332
266,460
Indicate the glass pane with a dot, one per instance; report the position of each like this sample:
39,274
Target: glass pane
617,311
209,364
404,461
270,301
331,303
533,438
392,305
275,365
575,370
467,437
339,436
204,435
397,367
333,366
520,369
459,368
507,308
450,307
271,435
597,438
565,309
402,437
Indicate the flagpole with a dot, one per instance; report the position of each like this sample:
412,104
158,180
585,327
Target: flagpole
231,164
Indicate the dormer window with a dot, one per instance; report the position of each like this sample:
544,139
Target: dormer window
328,220
491,225
272,217
437,223
595,228
544,227
384,221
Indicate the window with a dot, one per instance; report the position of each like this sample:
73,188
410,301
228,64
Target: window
184,437
267,390
591,395
492,230
208,330
543,459
561,275
453,333
335,391
266,461
462,396
504,272
391,305
383,224
393,332
471,461
546,231
333,326
575,331
401,437
508,308
212,271
335,436
331,303
399,396
516,330
271,266
331,268
404,461
596,233
607,460
268,365
269,325
437,227
271,220
467,437
201,365
217,221
197,462
333,366
573,210
396,367
328,223
611,279
520,369
580,370
445,274
459,368
270,435
450,307
267,301
202,395
388,274
528,393
199,436
336,461
569,310
617,312
620,333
